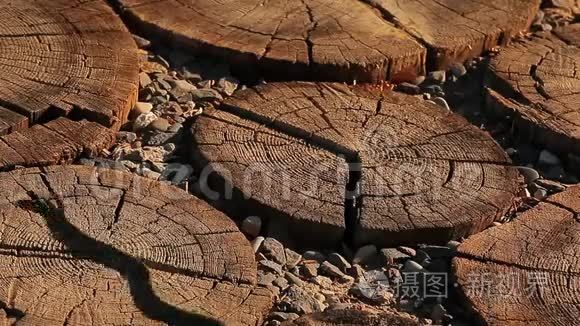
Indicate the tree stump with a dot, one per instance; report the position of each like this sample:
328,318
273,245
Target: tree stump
82,245
330,161
456,30
569,34
289,40
352,317
536,82
56,142
61,58
526,272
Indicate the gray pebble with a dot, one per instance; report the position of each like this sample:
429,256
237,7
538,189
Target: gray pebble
314,255
257,243
413,267
251,226
530,175
293,279
408,88
441,102
437,76
292,258
458,69
338,261
274,250
160,124
540,194
141,42
548,158
272,266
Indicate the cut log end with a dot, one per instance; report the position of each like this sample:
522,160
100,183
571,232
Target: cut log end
65,58
536,82
84,246
526,272
315,157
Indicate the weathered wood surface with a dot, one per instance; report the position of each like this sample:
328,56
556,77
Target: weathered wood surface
526,272
86,246
455,30
56,142
537,83
289,40
353,317
66,57
569,34
294,152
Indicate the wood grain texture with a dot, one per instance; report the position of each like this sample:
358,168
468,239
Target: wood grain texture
526,272
59,141
289,40
87,246
536,82
456,30
569,33
66,57
352,317
422,173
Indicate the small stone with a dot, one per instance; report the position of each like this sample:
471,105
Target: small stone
206,94
458,69
374,293
314,255
422,257
547,27
252,225
159,138
141,107
281,282
141,42
511,151
272,266
437,76
143,121
496,223
292,258
434,90
323,281
548,158
441,102
283,316
274,250
540,194
273,323
339,261
452,244
301,302
356,271
550,185
144,80
293,279
412,267
407,251
176,127
365,255
309,269
392,255
160,124
408,88
257,243
427,96
266,279
419,80
227,85
125,137
329,269
530,175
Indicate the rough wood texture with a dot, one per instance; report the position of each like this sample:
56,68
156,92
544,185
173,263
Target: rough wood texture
569,34
455,30
300,151
310,39
526,272
86,246
66,57
537,83
56,142
353,317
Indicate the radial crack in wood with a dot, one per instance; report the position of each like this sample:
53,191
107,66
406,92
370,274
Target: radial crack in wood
288,40
526,272
421,173
62,57
456,30
87,246
536,82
